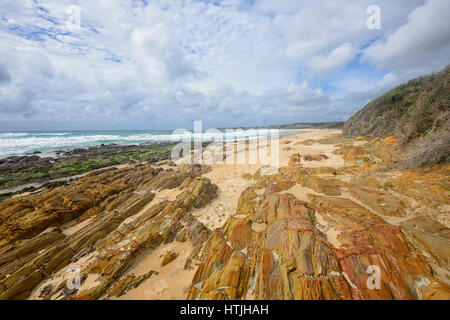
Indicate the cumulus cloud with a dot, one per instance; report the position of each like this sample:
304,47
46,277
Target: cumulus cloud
302,95
420,45
5,77
163,64
158,47
388,81
337,58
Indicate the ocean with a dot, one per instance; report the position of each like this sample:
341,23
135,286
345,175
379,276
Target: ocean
47,142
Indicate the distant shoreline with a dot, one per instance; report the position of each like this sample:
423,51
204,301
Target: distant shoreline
297,125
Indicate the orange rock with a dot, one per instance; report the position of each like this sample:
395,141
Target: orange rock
291,258
314,157
295,160
367,241
390,140
168,257
285,250
108,198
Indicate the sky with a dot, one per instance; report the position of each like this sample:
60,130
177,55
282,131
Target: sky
144,64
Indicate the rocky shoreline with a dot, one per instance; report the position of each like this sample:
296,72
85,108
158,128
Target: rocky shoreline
307,230
33,170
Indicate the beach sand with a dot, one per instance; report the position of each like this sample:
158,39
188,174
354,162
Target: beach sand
228,177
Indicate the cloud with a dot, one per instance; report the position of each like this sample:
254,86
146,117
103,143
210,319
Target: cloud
5,77
337,58
158,47
303,95
388,81
17,102
420,45
163,64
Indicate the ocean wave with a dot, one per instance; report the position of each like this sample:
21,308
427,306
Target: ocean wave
72,141
55,141
23,143
12,134
51,134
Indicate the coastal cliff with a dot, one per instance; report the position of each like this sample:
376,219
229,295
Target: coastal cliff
417,113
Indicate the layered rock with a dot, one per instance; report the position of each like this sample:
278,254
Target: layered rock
379,201
290,259
34,246
309,177
368,240
278,247
434,236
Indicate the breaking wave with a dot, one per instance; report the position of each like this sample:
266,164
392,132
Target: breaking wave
15,143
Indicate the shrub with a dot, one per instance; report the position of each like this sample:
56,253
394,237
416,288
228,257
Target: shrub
417,112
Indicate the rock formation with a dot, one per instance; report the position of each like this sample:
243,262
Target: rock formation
279,247
302,231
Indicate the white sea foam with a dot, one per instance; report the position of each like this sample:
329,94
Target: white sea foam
12,134
23,143
51,134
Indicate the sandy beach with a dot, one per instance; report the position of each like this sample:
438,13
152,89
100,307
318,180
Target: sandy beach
228,177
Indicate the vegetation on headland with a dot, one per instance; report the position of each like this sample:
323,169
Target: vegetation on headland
297,125
417,112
